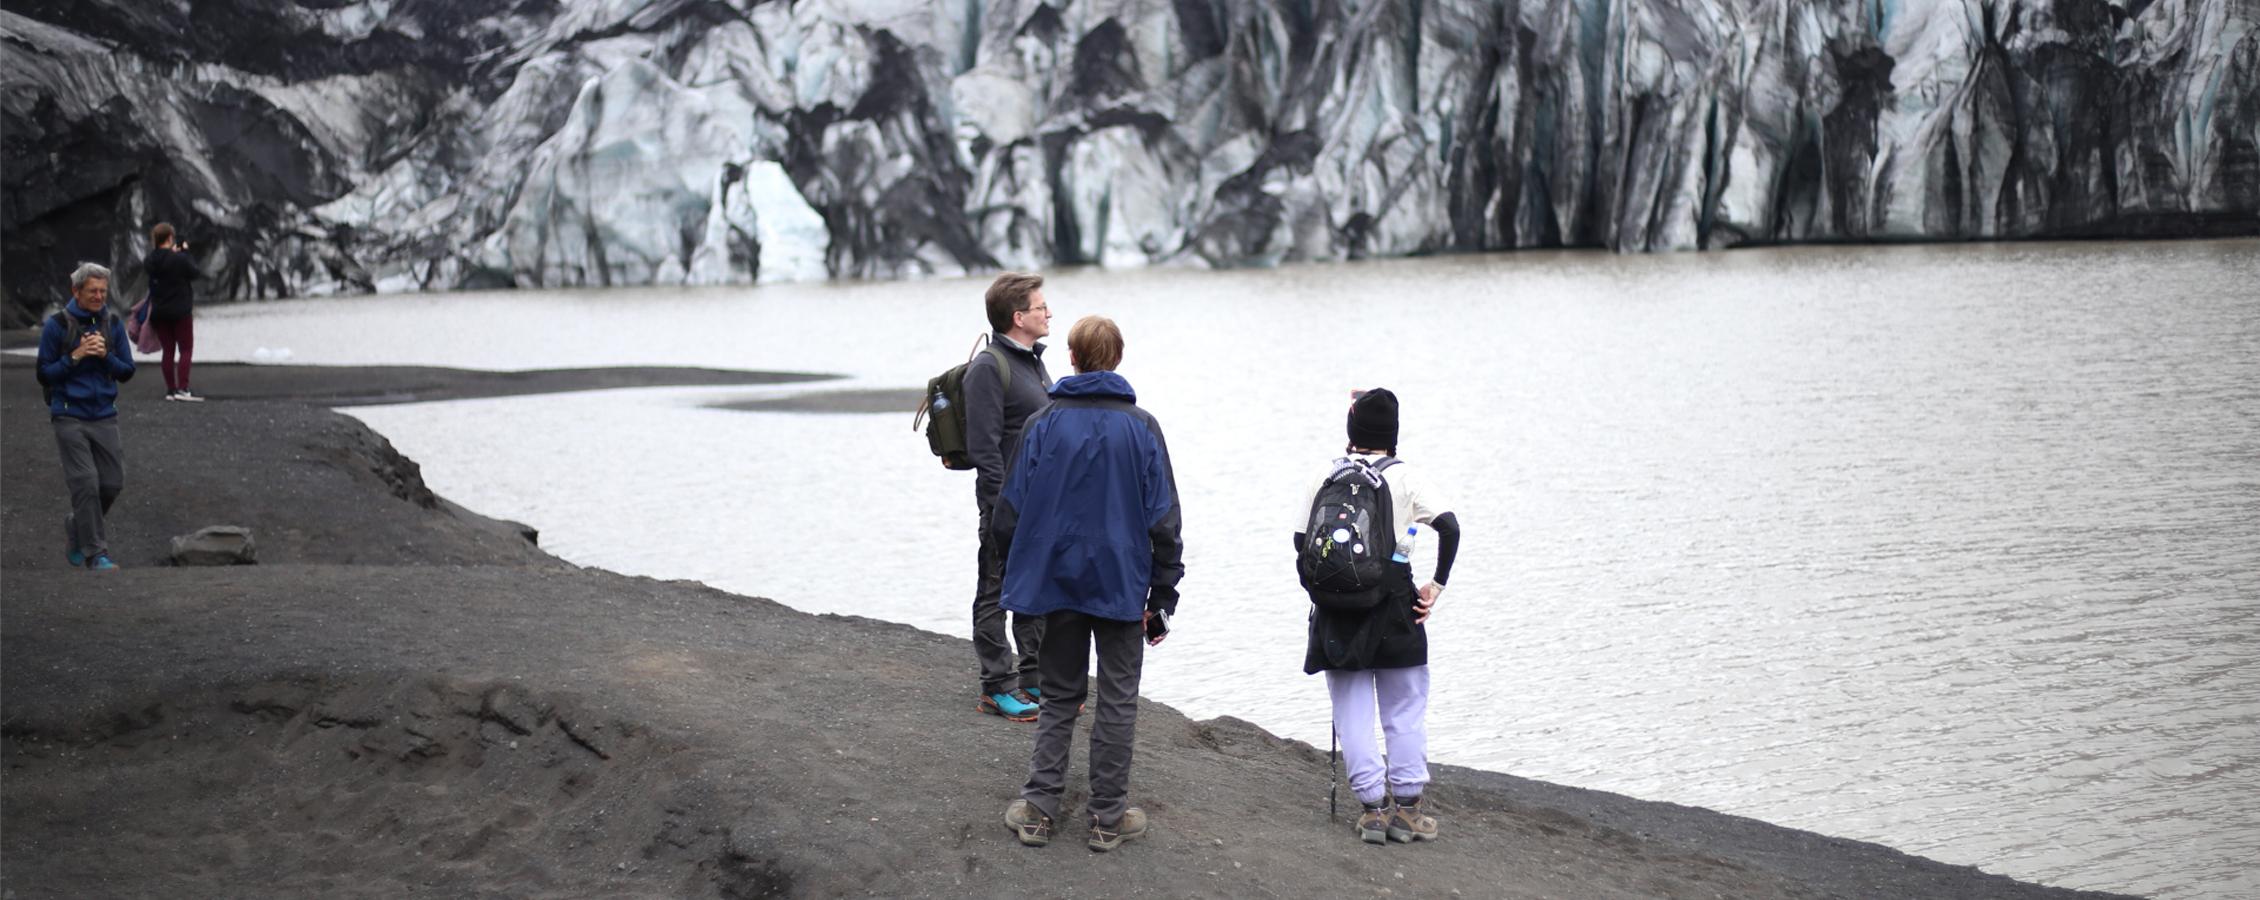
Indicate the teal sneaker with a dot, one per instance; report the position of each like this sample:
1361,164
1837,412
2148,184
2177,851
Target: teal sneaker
1036,696
101,563
1010,707
77,559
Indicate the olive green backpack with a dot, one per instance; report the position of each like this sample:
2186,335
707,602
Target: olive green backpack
942,410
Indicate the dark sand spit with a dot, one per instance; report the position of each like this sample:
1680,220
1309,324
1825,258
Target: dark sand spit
408,699
864,400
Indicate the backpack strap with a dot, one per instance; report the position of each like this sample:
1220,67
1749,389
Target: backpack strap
1370,471
72,331
1004,366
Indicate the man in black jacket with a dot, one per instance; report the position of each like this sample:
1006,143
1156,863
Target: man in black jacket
172,307
997,402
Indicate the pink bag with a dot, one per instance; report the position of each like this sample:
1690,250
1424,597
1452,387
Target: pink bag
144,335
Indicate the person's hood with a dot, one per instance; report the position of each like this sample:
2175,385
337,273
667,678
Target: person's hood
81,312
1094,384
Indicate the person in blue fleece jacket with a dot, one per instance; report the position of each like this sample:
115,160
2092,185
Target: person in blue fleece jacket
1090,525
83,354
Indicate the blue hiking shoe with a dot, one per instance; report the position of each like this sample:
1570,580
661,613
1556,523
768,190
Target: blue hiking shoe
101,563
1013,706
1036,696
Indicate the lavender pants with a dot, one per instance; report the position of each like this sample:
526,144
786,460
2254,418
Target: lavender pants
1399,698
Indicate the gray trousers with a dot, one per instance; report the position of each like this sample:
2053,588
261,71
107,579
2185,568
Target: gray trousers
1002,670
94,466
1068,639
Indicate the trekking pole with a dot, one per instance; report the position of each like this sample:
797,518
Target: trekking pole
1333,775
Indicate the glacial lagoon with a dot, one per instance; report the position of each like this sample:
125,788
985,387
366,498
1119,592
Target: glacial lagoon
1952,548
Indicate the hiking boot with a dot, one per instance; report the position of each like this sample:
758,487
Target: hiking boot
1032,827
1373,825
1132,826
1407,824
100,562
1010,706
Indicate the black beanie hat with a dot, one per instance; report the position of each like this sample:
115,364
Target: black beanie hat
1373,420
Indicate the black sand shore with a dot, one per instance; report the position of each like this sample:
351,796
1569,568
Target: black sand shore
406,698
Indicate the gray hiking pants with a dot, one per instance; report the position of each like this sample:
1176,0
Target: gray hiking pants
94,466
1068,639
1002,670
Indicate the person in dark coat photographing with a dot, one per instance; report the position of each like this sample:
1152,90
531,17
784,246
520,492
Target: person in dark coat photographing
172,307
1091,528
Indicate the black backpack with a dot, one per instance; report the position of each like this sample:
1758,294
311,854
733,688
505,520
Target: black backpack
1351,534
943,407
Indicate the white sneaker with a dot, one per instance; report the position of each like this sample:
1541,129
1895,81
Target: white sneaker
172,395
185,397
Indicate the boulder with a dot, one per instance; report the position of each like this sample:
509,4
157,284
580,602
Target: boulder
218,545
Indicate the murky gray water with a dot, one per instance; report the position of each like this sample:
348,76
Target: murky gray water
1952,548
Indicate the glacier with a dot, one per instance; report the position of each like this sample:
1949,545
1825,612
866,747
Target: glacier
312,147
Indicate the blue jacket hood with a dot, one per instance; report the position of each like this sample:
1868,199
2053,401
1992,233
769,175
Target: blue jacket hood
1094,384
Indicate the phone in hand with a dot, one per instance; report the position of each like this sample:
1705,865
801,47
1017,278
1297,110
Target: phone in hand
1157,625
